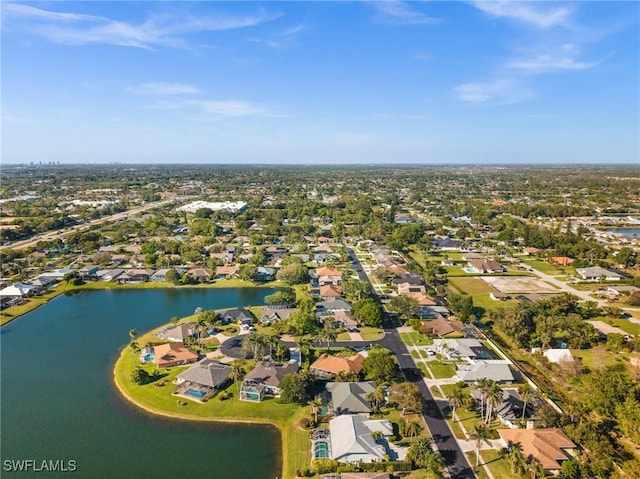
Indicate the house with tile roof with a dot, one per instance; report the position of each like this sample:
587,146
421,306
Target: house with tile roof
328,366
173,354
549,446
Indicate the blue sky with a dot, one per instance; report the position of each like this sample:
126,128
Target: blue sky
321,82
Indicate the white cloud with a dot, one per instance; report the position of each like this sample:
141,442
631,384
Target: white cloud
216,108
525,12
163,89
157,30
502,91
282,39
398,12
547,63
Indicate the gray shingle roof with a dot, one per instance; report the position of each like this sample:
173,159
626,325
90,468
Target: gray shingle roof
350,398
206,372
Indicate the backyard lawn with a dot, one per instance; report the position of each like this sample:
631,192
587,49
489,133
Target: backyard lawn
471,285
159,400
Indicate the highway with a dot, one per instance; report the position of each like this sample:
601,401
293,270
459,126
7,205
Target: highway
59,234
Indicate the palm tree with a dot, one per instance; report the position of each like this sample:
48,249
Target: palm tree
316,404
480,434
304,345
271,341
483,387
537,469
456,399
376,397
494,398
237,372
412,429
419,451
136,351
516,459
201,326
133,334
281,351
527,394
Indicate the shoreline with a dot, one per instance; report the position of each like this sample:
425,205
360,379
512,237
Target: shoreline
99,285
282,429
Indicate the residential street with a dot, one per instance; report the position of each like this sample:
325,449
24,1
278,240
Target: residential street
455,460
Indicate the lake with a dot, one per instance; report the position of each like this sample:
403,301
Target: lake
628,232
59,401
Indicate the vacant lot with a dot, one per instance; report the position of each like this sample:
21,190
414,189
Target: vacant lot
472,285
520,284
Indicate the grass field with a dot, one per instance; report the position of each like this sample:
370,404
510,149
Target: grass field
416,339
471,285
371,334
544,267
442,370
498,466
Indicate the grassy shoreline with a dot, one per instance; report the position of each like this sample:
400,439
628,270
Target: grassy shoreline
295,446
9,314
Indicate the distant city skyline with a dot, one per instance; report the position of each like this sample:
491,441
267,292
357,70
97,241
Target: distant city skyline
477,82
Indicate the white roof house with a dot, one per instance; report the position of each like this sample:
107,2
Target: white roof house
233,206
352,439
595,273
499,372
463,348
19,289
558,355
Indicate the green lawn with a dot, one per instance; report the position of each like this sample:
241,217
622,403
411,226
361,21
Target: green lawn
442,370
480,473
498,466
371,334
159,400
543,267
416,339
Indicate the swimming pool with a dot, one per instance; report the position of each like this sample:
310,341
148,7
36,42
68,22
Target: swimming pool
194,393
321,450
147,358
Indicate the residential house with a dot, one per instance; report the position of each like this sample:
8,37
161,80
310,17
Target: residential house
510,410
406,288
485,265
203,379
596,273
465,348
226,272
330,291
160,275
180,332
274,314
135,275
329,367
499,372
18,290
346,320
403,219
443,327
409,280
264,379
350,398
239,315
173,354
549,446
201,275
43,281
530,250
562,261
109,274
265,274
352,439
332,305
88,273
447,244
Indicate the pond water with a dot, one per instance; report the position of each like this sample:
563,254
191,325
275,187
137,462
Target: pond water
59,402
628,232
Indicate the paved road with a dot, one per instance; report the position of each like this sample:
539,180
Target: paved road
59,234
455,460
585,295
